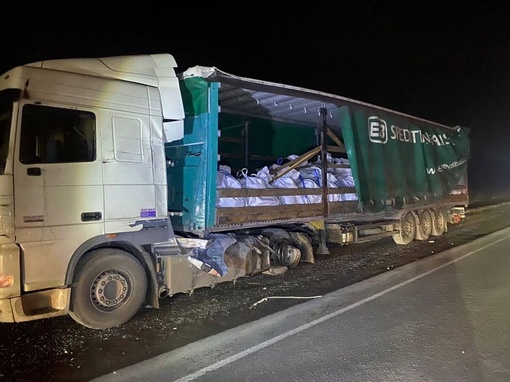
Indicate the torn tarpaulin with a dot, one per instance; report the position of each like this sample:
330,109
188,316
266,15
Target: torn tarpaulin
211,258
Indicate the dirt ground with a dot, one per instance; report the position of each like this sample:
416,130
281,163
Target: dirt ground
60,350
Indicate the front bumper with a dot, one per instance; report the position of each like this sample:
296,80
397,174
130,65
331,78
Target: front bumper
35,306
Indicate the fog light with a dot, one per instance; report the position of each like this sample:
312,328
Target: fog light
6,280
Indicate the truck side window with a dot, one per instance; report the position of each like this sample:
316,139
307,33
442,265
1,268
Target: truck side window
57,135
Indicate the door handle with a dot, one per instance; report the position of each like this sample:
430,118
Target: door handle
90,216
34,171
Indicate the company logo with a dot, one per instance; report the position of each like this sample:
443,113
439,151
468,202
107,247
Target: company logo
377,130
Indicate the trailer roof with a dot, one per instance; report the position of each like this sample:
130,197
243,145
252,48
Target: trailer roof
263,99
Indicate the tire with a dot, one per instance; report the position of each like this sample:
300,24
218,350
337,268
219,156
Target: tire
424,229
440,222
125,288
305,246
287,253
407,231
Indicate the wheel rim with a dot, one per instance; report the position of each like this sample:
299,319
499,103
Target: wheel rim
440,221
408,228
286,253
290,256
426,223
109,290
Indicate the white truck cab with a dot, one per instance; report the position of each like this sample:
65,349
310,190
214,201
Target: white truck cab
82,170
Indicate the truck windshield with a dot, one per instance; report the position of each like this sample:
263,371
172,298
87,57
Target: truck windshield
7,97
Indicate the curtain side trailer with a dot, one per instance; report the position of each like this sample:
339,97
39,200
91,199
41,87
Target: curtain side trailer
123,182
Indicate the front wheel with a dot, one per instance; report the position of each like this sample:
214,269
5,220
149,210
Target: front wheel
109,288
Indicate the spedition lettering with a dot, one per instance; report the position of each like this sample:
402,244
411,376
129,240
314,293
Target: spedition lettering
445,166
417,136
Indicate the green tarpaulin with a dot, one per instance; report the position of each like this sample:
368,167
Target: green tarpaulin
398,160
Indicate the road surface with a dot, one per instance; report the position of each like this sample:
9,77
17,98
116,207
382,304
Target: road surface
443,318
59,349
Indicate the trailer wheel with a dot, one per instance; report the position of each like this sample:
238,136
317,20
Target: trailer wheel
304,244
109,288
439,226
424,229
286,252
407,231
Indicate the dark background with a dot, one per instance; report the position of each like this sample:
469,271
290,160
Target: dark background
449,63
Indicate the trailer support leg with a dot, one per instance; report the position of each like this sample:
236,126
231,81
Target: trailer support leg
322,249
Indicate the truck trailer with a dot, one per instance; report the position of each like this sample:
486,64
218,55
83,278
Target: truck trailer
124,181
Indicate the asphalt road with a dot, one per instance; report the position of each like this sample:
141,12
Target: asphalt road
443,318
60,350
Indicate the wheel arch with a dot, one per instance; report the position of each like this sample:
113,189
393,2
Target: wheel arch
145,258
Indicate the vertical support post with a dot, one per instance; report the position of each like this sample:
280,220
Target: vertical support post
324,162
246,131
323,248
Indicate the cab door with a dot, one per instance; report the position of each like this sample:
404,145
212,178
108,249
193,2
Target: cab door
58,187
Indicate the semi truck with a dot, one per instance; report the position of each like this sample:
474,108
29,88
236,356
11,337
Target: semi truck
124,181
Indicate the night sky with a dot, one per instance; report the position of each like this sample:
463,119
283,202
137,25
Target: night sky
446,63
